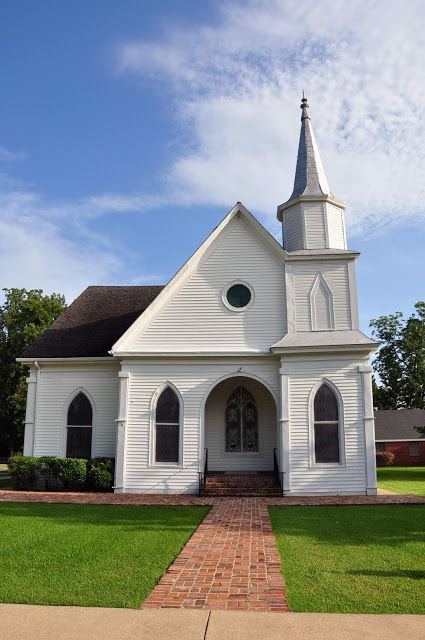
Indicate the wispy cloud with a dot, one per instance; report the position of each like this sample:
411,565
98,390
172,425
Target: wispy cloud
237,84
54,245
11,156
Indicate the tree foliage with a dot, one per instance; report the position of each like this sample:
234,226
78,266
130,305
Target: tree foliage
23,316
400,360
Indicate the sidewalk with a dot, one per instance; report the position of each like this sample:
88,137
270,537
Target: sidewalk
29,622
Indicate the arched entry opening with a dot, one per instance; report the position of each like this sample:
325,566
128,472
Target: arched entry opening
240,426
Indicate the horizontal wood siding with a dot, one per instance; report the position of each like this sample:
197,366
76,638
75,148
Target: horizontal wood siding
193,380
305,479
195,317
56,385
314,226
336,227
293,234
218,459
336,276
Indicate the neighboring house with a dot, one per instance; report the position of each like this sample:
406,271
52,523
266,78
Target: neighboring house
395,431
251,355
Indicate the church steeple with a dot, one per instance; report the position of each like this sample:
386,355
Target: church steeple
310,178
312,218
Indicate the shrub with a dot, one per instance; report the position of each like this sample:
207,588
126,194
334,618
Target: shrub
56,474
100,474
384,459
23,470
72,472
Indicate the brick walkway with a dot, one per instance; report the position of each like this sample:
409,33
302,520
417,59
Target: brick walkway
231,561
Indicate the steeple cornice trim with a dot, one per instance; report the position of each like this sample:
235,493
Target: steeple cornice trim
295,201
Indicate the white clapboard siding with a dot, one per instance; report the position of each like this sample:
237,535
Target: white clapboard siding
336,228
195,318
193,380
342,479
336,277
314,226
56,386
293,233
215,432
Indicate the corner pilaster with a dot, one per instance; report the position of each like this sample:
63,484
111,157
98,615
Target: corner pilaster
284,425
30,413
124,378
369,427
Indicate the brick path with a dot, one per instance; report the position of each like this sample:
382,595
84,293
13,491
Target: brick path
231,561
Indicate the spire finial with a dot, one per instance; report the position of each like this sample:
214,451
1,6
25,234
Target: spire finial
304,106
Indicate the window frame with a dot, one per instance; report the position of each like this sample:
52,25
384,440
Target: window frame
152,435
67,404
341,428
228,286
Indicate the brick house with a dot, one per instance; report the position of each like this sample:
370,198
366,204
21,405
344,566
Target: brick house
395,431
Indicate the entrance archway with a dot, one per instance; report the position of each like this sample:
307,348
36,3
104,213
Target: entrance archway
240,426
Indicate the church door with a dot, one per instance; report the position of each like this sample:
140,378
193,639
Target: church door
241,422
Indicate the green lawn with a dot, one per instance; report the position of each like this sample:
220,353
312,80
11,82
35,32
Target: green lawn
102,555
357,559
402,479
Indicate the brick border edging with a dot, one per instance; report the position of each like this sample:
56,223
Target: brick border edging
189,499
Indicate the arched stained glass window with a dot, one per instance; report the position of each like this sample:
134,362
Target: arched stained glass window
79,426
241,422
167,427
326,425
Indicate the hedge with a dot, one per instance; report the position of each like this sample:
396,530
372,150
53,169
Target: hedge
61,474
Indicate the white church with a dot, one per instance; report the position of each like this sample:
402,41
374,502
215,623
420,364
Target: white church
247,371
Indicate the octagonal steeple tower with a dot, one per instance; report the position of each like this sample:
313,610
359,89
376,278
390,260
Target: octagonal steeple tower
312,218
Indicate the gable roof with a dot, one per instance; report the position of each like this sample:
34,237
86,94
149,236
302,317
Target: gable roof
119,348
391,424
93,322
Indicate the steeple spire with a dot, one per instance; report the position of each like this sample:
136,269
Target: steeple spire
310,178
312,218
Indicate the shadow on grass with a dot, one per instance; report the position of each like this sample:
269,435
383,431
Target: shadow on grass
377,573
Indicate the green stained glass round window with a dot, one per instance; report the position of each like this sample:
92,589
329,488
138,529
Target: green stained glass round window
238,296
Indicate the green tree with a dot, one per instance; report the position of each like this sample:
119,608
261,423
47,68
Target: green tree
23,316
400,360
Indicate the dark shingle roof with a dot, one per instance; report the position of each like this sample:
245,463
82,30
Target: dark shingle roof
93,322
399,424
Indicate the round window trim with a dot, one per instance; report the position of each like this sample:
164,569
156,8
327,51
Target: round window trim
228,287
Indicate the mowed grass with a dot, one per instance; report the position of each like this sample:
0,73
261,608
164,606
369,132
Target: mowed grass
89,555
357,559
402,479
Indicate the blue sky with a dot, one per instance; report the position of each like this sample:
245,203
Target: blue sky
129,129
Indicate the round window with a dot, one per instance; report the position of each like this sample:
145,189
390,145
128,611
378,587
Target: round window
238,296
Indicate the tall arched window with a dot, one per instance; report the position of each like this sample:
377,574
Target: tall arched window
241,422
167,427
79,426
326,425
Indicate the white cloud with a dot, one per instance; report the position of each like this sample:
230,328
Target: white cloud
237,86
52,245
10,156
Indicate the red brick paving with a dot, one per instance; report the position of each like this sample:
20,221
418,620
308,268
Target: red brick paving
231,561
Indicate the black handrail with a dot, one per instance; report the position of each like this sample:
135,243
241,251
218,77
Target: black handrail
278,475
203,474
